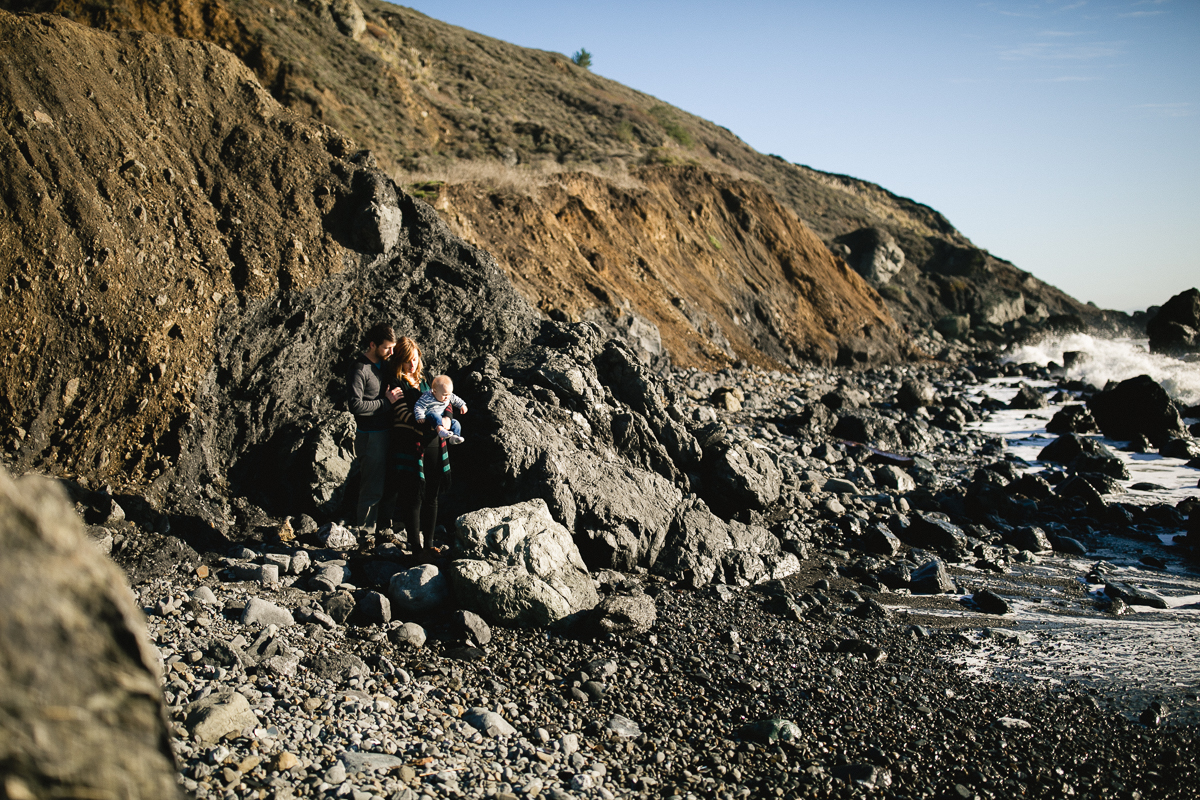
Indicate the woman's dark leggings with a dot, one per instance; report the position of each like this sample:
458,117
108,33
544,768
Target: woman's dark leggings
418,500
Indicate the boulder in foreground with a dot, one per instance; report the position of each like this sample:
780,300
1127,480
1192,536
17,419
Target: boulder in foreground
521,567
70,635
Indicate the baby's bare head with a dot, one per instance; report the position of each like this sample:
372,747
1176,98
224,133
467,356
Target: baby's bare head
441,387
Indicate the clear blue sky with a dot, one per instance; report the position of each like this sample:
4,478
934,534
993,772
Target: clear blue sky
1062,136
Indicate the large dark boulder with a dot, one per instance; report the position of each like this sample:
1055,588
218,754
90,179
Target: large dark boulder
70,636
1073,418
1028,397
934,531
915,393
1137,406
1175,329
1070,446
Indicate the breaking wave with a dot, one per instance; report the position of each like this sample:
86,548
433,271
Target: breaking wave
1115,360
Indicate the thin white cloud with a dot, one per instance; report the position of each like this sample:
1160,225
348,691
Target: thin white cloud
1061,51
1074,6
1142,13
1169,109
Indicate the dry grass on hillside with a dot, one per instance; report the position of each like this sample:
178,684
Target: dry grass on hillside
523,179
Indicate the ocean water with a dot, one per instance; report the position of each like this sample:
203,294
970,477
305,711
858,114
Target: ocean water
1115,360
1025,433
1147,654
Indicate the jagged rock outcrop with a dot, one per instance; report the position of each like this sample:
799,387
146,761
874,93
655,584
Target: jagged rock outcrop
1175,329
80,704
201,297
873,253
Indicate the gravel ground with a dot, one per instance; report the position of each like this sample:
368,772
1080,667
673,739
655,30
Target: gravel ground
825,684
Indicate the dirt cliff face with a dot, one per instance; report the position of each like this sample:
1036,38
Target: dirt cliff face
717,264
151,188
424,95
185,265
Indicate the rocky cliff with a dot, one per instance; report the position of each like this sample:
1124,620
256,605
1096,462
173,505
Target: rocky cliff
186,265
440,105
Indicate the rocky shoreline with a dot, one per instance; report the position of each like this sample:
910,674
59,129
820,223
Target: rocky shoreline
831,668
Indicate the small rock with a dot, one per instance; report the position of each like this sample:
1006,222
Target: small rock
336,537
410,633
623,726
767,731
204,594
261,612
1013,724
990,603
488,722
472,625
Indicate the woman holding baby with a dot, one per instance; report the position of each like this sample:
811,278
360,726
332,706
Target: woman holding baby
419,461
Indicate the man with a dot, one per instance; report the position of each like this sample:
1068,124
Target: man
372,409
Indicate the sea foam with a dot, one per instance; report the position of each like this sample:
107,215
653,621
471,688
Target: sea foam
1115,360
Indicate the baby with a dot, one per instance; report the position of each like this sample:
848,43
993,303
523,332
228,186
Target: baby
433,403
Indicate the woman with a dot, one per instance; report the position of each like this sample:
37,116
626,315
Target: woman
420,464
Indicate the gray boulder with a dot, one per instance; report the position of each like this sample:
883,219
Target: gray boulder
50,574
336,537
337,667
625,615
468,623
489,723
931,578
618,511
894,478
622,514
410,633
740,477
376,607
264,613
224,713
419,590
702,548
520,567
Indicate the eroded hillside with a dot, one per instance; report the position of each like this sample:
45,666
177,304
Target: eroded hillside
717,264
423,94
183,262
